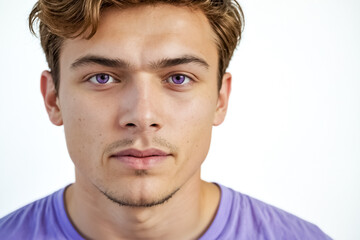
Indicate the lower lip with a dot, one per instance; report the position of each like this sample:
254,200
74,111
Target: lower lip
141,163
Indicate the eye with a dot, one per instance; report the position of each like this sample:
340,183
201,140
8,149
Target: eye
178,79
101,78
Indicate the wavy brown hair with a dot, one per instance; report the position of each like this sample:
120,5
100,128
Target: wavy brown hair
80,18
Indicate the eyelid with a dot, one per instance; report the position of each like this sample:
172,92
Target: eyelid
189,76
111,76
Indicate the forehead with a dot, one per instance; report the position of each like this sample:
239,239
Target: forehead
166,17
146,33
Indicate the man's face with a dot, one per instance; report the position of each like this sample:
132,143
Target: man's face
138,101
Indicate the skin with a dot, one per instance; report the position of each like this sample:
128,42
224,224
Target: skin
141,109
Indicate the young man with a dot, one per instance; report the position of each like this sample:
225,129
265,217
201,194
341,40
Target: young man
138,86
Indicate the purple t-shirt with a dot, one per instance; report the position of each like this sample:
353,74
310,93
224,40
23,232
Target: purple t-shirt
238,217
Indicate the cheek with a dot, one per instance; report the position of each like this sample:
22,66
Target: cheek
195,131
195,142
84,128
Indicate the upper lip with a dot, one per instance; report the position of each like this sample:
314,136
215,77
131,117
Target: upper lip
140,153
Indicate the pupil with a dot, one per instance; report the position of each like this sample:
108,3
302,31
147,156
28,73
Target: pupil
102,78
178,79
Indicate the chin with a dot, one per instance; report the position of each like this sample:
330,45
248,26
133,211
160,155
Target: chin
143,192
139,202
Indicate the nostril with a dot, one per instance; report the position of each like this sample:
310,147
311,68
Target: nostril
133,125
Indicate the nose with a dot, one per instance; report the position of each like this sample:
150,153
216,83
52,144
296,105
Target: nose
141,106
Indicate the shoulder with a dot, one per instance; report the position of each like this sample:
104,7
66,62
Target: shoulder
31,221
244,217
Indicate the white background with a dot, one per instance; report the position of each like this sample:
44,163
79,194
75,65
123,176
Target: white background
292,134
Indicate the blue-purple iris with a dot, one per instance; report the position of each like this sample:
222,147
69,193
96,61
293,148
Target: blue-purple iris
178,79
102,78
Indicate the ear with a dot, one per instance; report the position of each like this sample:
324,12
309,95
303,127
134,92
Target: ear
51,99
223,100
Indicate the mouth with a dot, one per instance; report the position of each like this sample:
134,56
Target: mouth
141,160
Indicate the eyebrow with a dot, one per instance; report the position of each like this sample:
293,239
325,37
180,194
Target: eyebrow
170,62
99,60
119,63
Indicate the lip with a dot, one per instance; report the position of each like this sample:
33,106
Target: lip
141,159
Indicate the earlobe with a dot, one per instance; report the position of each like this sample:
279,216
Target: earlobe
50,97
223,100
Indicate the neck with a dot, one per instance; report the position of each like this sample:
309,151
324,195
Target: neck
187,214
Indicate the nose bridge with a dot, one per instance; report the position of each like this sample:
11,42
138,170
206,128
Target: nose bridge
141,104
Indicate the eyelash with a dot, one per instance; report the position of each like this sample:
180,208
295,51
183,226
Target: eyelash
93,79
185,79
107,78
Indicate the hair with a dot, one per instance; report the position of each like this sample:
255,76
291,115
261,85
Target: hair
60,20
